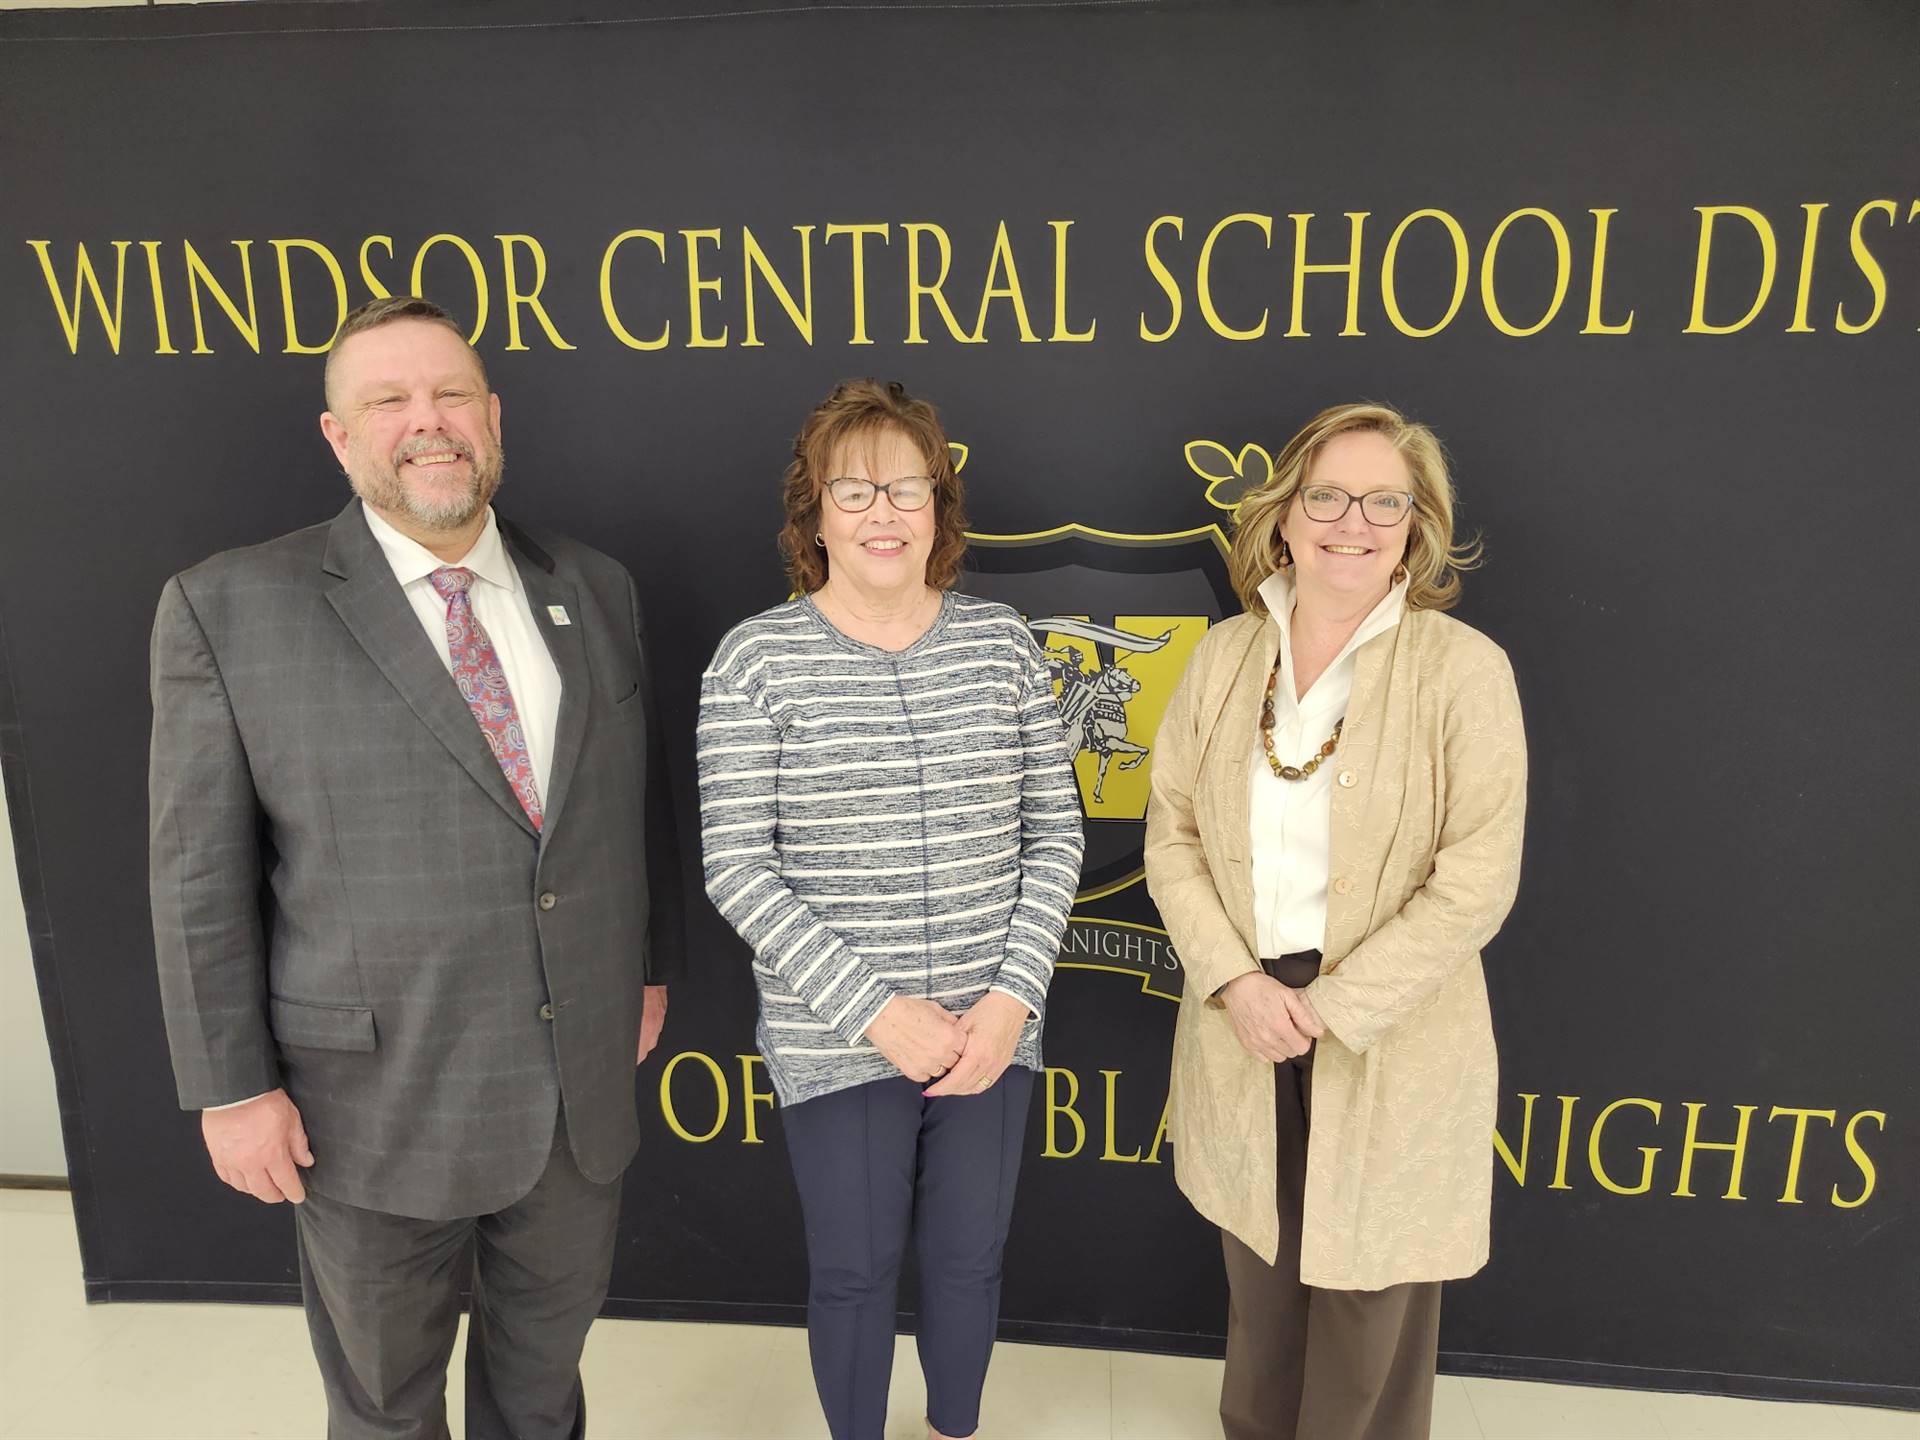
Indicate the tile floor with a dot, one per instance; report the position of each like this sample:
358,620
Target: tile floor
210,1372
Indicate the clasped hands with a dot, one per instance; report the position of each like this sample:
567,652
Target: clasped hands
962,1054
1274,1021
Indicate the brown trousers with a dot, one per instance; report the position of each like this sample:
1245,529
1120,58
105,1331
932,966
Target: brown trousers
1311,1364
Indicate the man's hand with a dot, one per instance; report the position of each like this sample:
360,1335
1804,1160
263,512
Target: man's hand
1273,1022
653,1015
918,1036
259,1147
992,1029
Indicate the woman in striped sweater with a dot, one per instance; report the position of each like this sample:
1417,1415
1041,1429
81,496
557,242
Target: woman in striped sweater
891,822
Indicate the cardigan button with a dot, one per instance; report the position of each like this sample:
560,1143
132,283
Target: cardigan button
1347,779
1343,886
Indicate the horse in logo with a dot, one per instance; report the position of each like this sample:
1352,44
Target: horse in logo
1093,706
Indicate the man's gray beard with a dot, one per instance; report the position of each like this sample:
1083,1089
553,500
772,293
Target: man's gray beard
379,485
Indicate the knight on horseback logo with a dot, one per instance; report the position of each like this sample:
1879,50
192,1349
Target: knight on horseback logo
1116,616
1093,705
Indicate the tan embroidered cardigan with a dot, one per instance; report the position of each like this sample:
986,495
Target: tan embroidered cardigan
1428,805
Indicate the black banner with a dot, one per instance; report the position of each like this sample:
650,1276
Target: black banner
1653,272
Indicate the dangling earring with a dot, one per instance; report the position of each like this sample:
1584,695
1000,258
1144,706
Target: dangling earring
1399,572
1286,556
818,540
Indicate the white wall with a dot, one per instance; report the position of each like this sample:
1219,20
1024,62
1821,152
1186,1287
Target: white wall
29,1115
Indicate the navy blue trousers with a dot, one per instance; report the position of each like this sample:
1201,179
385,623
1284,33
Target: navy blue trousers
874,1164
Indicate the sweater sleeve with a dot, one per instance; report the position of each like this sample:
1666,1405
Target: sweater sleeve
738,748
1051,843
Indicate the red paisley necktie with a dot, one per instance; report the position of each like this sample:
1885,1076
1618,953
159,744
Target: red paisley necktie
483,685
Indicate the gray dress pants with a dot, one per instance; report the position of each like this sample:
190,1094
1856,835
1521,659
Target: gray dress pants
382,1295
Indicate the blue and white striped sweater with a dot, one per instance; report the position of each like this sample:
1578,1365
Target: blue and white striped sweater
879,824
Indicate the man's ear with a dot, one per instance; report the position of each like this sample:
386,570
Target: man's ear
493,412
336,434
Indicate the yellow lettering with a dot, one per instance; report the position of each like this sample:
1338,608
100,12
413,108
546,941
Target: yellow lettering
516,297
1692,1143
376,287
1567,1102
1203,277
698,287
1008,289
1595,325
751,1098
1860,1158
1518,1168
1112,1150
198,275
85,277
1647,1152
472,258
281,248
1869,267
756,262
1160,1132
1791,1194
625,336
162,335
1165,277
1056,1107
719,1097
1356,220
859,234
1710,215
1062,332
1808,243
1389,294
1562,272
918,289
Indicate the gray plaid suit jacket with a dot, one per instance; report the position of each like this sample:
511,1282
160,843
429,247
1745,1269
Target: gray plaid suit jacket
349,901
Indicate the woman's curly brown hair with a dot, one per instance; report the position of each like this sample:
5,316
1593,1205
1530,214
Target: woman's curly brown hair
860,411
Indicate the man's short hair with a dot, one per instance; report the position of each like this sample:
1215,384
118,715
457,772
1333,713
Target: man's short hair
384,311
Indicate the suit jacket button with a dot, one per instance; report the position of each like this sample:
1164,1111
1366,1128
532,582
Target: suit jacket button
1347,779
546,1012
1342,886
548,899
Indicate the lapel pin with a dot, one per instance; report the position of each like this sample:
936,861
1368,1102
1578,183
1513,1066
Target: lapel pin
558,614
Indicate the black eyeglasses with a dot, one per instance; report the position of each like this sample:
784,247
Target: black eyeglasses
1328,503
910,492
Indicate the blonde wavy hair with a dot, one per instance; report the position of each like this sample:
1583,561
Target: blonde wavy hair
1433,559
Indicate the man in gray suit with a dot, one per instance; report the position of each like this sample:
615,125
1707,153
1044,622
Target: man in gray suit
416,895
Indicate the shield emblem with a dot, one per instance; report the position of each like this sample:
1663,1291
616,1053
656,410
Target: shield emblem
1117,617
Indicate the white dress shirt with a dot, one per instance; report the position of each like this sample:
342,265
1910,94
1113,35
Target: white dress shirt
1292,820
500,605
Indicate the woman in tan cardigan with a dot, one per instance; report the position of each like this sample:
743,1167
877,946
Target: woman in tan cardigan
1339,787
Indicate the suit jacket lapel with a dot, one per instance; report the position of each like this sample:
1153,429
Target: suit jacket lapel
567,643
375,611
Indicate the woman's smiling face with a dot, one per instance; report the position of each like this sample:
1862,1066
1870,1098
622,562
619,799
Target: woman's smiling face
1349,557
